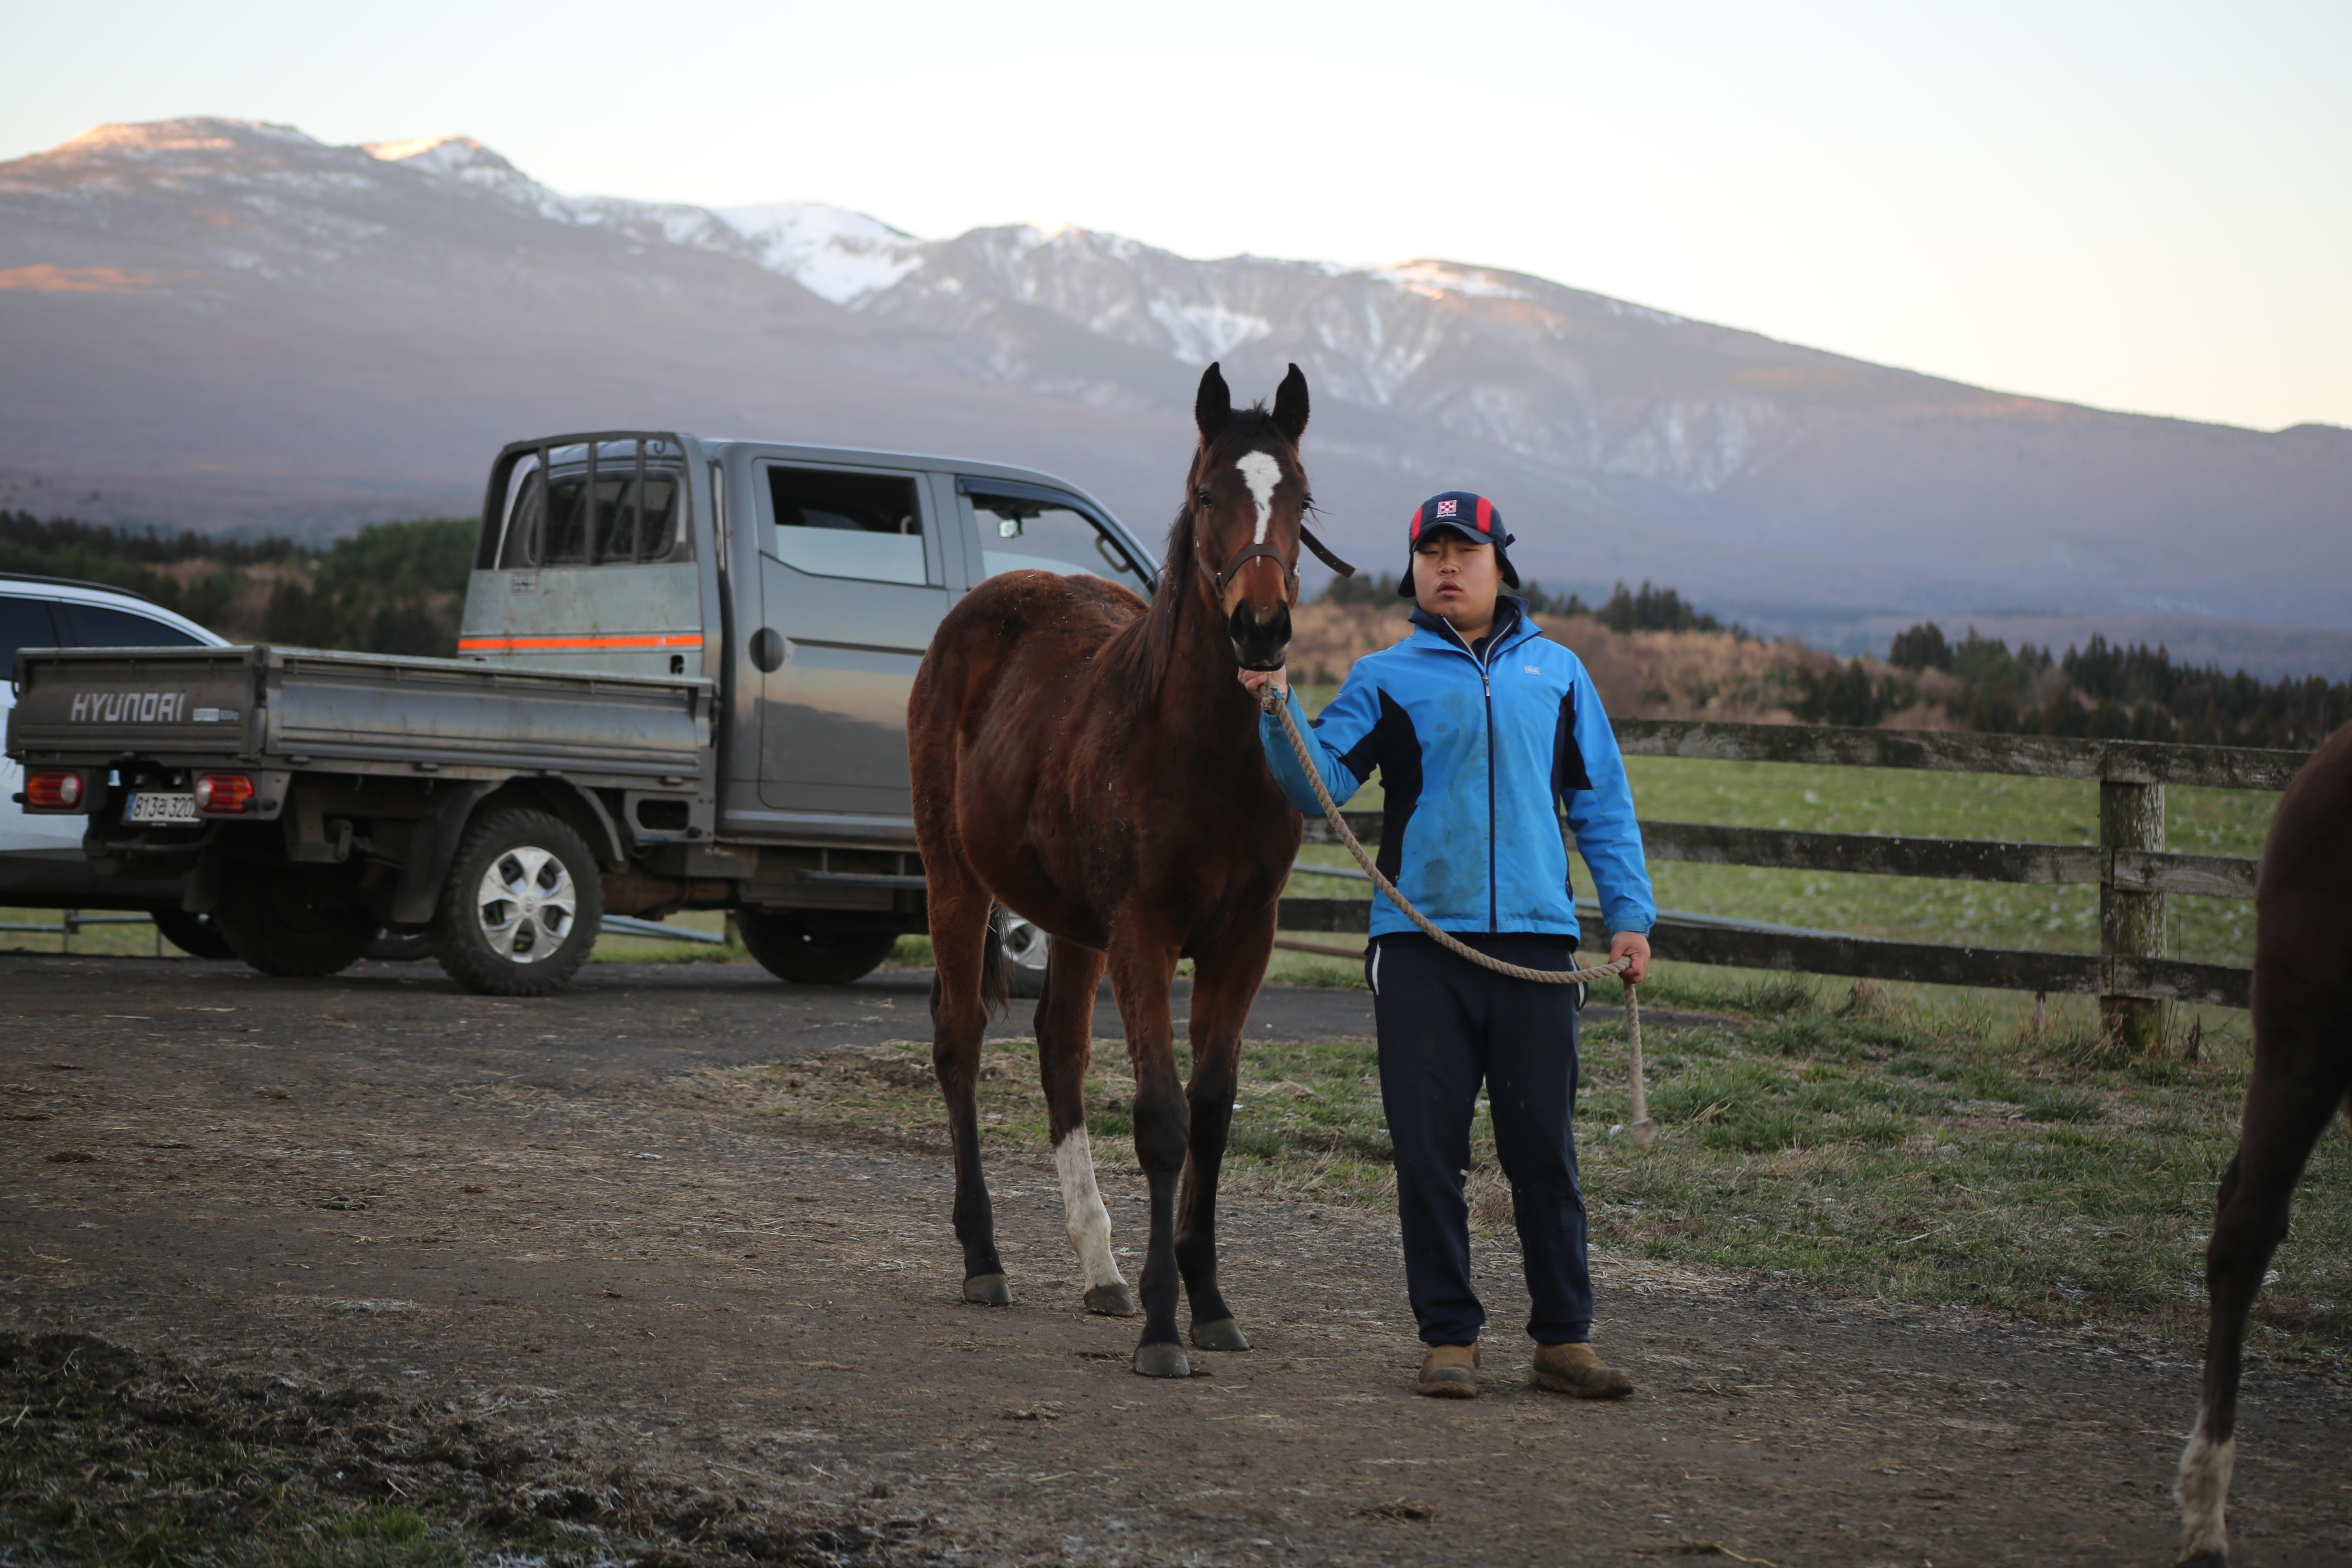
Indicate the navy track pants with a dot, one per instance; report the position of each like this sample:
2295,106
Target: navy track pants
1445,1026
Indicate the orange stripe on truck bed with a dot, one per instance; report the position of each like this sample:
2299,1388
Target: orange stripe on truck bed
538,645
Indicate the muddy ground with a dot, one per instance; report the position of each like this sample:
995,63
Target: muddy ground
518,1265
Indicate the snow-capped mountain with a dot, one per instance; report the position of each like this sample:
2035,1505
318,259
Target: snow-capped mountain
845,255
235,323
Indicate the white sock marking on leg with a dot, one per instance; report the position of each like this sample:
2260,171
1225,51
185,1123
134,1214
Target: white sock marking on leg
2203,1489
1082,1208
1261,472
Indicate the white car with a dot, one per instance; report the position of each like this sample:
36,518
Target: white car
41,861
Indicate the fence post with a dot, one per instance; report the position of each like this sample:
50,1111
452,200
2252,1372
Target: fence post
2131,924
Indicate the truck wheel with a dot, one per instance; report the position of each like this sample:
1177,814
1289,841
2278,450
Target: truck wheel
1024,949
521,906
295,920
788,950
195,935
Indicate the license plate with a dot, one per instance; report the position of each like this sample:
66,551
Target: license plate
149,806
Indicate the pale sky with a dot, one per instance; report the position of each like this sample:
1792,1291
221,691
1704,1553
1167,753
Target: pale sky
2142,205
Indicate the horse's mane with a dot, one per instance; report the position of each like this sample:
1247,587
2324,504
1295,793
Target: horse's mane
1139,659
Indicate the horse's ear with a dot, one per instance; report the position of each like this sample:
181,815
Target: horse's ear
1290,405
1213,405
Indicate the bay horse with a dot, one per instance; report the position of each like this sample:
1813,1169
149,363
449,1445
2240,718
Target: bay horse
2303,1070
1088,761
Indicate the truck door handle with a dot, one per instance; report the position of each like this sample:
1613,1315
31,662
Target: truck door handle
767,649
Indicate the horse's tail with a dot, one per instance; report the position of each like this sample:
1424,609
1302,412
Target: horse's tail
995,968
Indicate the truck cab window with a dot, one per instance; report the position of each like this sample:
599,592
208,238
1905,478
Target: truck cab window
606,532
100,625
1040,536
624,536
24,623
834,524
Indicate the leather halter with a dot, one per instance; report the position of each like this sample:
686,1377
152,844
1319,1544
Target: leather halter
1289,570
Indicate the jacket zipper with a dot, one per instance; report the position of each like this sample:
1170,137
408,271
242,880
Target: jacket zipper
1486,683
1485,679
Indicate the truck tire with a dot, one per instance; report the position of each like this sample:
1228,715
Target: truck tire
195,935
296,919
788,950
521,906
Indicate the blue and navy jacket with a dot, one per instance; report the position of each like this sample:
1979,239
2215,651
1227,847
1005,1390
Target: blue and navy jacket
1477,756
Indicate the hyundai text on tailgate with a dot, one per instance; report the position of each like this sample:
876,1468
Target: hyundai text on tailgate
681,683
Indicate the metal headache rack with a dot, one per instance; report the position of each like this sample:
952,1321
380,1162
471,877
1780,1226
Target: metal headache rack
667,444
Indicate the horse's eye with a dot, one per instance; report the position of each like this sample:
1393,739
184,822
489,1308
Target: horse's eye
1203,497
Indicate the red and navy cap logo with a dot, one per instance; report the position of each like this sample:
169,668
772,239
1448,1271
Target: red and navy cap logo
1474,516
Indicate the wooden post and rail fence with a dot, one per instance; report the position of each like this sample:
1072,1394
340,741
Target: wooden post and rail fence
2131,974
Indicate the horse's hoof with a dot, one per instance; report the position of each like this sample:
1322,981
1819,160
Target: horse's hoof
1162,1361
1225,1334
988,1290
1111,1301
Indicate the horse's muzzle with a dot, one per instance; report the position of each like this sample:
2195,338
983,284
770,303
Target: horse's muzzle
1259,645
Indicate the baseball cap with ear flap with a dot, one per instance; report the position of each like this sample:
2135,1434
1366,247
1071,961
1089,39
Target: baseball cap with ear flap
1472,517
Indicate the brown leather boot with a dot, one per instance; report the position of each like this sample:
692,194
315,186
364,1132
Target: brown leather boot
1449,1372
1577,1369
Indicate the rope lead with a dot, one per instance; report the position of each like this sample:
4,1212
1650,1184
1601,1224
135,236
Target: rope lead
1642,1128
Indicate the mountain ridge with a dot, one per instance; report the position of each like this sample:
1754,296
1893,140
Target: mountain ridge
273,315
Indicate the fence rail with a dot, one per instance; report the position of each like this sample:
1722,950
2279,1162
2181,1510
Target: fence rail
70,923
1952,859
2131,973
1877,958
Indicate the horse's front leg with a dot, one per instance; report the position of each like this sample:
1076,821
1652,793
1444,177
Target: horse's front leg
1142,965
1065,1015
1223,984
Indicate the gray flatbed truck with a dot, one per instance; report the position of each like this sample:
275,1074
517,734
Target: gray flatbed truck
681,683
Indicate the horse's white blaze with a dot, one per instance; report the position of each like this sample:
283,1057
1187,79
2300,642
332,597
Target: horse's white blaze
1082,1209
1261,472
2203,1489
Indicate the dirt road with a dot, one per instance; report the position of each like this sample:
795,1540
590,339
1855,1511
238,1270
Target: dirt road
529,1219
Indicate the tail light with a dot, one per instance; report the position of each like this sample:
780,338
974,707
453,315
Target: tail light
224,791
53,791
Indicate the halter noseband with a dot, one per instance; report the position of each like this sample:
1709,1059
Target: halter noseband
1289,571
1248,552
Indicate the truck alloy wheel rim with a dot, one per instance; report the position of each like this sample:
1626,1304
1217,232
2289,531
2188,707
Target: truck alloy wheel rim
1024,944
526,904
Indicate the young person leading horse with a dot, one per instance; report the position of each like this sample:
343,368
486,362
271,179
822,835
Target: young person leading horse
1480,727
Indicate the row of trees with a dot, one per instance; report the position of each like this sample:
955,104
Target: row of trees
1643,609
392,587
2102,690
